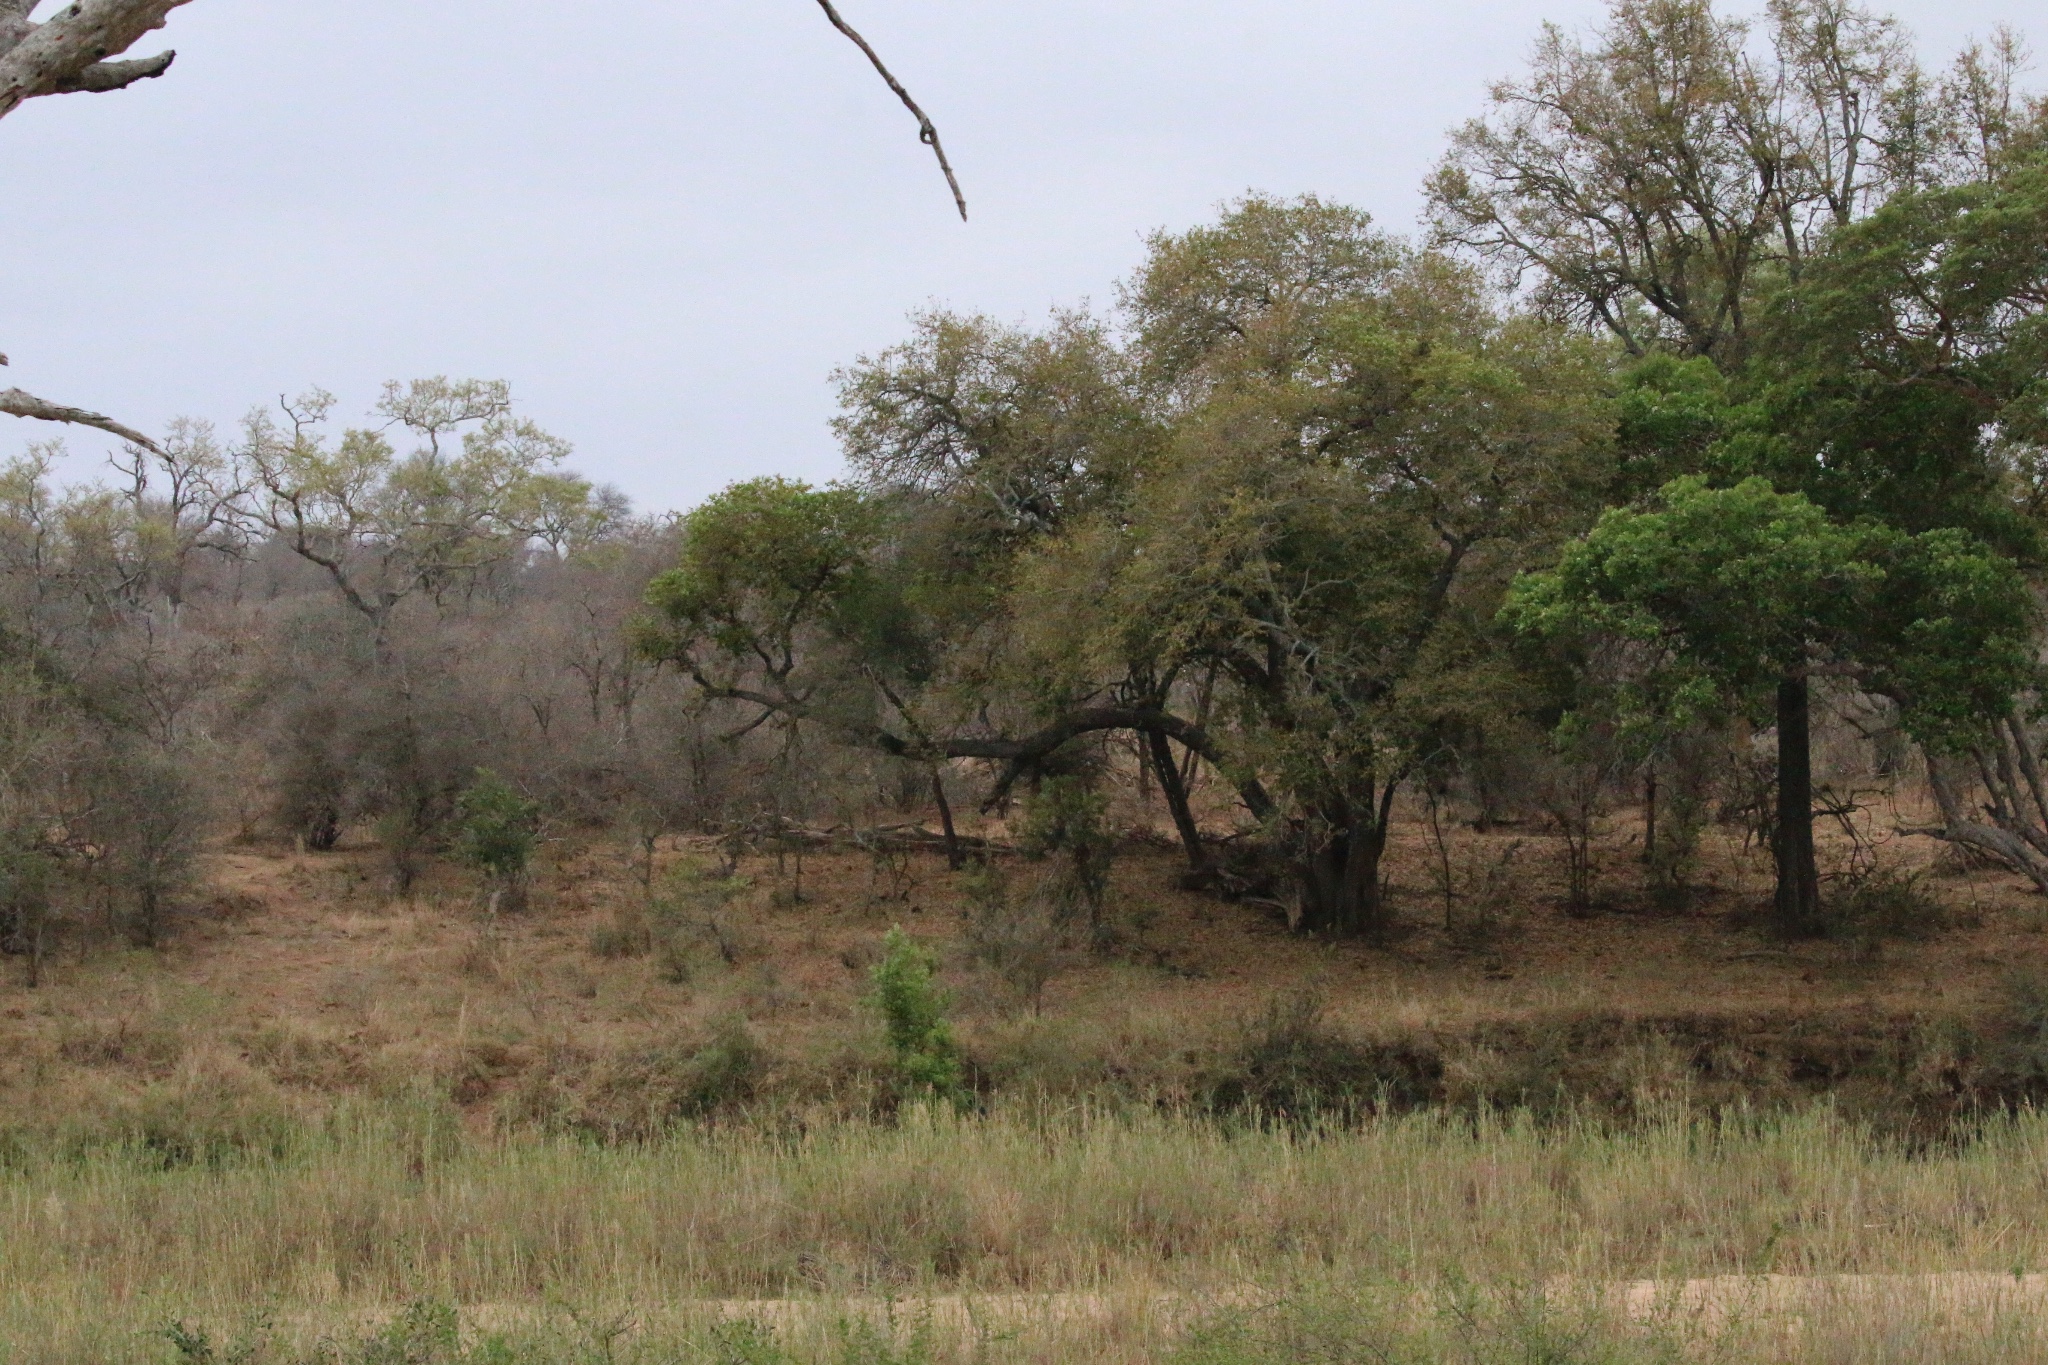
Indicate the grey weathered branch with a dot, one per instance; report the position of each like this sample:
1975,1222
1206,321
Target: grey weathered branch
1958,827
71,52
16,403
927,131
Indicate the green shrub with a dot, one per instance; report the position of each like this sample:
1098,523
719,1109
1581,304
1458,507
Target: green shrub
691,919
496,831
745,1342
864,1342
912,1008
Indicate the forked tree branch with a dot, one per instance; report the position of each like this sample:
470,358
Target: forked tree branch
927,131
70,53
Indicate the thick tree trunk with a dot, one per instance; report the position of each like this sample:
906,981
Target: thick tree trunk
1176,793
1797,903
1340,885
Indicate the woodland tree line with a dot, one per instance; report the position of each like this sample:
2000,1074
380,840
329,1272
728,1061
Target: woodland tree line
1710,409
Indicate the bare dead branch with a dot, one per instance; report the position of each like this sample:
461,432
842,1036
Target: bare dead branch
927,131
70,52
16,403
101,77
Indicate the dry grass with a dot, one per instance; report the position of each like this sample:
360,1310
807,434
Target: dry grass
326,1104
319,986
1141,1220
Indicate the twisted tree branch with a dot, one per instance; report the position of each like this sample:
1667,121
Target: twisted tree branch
927,131
16,403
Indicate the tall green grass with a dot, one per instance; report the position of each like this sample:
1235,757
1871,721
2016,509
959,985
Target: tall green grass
345,1223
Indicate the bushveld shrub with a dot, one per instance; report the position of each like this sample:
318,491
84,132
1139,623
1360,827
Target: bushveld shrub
1484,916
2019,1054
646,1092
1288,1062
312,774
149,819
1018,944
407,836
1883,903
912,1008
1066,827
1683,780
496,831
691,920
26,875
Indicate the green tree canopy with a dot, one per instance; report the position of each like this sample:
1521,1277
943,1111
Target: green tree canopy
1729,592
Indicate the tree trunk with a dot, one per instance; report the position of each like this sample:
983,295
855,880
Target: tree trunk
1650,816
1340,886
954,859
1797,903
1176,793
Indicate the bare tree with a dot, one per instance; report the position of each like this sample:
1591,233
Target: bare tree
1649,177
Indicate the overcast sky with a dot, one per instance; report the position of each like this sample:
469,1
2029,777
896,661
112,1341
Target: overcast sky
667,221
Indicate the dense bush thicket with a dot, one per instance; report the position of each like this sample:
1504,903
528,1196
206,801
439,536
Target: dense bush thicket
1704,410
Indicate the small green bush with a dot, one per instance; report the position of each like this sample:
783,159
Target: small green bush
496,831
912,1008
691,921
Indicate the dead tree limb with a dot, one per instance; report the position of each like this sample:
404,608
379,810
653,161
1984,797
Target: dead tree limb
71,52
2003,841
16,403
927,131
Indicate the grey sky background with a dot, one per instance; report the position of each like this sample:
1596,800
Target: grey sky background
666,223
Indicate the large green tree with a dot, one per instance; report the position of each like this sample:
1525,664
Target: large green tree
1269,529
1906,379
1361,453
1735,597
1664,181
